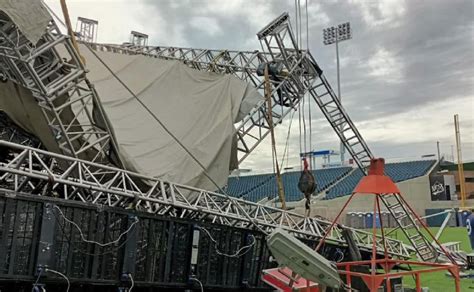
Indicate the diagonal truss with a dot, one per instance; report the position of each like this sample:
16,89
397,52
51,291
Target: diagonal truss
37,172
58,82
76,118
295,73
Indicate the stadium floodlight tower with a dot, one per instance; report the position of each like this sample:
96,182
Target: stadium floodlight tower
86,29
138,39
335,35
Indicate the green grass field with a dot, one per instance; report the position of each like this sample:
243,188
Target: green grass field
439,282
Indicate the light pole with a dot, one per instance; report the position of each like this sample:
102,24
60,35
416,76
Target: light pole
335,35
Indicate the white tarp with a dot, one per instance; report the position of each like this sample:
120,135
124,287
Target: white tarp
30,16
199,108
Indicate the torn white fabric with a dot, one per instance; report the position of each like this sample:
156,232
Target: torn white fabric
199,108
30,16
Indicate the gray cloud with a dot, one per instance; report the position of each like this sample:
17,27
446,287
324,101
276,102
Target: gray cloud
404,56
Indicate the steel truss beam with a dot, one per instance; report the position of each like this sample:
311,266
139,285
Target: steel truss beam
297,75
37,171
58,82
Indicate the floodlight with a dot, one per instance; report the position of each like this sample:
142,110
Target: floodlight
301,259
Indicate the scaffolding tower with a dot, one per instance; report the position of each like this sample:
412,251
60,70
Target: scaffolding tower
86,29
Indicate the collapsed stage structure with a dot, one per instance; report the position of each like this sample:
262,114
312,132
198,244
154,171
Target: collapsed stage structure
106,195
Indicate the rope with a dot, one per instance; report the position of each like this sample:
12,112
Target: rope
286,152
296,21
307,26
304,125
300,132
206,174
299,10
70,31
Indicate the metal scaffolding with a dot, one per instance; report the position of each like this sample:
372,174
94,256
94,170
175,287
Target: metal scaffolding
86,29
294,73
67,100
49,174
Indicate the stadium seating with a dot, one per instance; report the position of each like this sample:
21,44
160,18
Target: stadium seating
257,187
396,171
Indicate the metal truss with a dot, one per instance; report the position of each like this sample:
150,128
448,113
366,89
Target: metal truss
77,120
58,82
37,172
294,74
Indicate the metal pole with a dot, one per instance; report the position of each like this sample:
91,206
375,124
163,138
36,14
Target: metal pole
437,146
452,152
460,163
341,148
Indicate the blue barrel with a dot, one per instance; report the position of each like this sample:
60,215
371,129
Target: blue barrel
470,229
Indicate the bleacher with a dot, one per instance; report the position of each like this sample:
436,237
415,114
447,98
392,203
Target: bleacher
257,187
398,172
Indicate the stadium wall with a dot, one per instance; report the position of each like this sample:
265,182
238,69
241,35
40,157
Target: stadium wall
416,191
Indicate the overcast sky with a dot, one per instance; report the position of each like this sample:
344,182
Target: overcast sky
407,70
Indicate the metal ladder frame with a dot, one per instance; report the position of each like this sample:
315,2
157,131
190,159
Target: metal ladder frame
68,101
402,214
38,172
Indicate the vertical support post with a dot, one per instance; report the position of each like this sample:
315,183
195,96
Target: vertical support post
373,265
268,97
341,148
460,163
348,277
437,147
418,283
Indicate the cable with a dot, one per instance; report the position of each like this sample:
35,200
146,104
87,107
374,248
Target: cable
54,14
307,26
304,125
37,279
197,280
296,21
309,96
177,140
62,275
299,124
237,253
133,282
95,242
88,253
286,151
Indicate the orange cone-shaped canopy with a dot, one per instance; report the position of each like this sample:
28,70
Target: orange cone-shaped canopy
376,182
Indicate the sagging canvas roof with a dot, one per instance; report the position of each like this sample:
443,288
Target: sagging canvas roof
30,16
200,108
